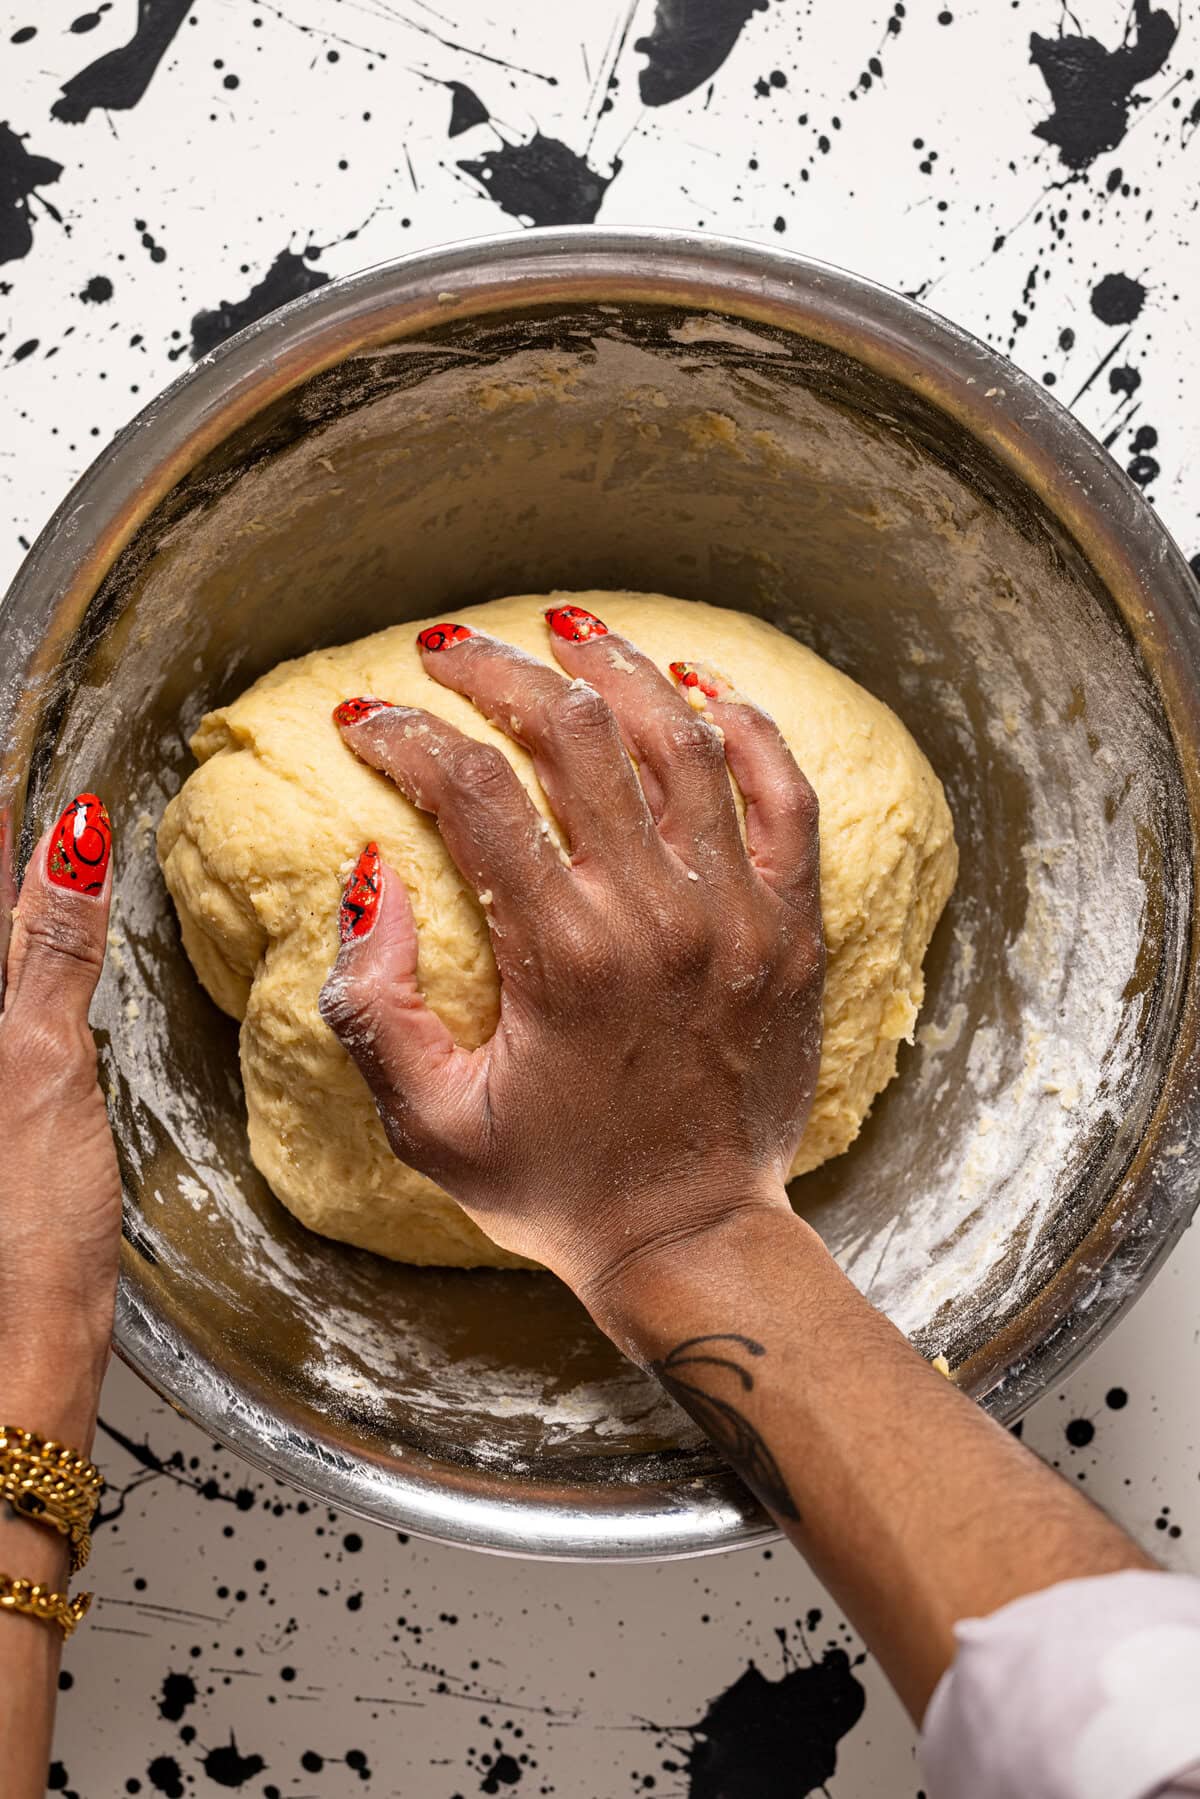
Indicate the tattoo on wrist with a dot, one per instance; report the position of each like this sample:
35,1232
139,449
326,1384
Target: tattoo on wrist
737,1439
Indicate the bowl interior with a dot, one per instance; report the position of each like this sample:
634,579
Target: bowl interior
645,447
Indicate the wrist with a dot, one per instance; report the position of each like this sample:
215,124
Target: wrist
50,1377
651,1299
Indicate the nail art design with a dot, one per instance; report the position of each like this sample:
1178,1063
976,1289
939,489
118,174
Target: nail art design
700,683
361,896
81,846
353,712
443,637
574,623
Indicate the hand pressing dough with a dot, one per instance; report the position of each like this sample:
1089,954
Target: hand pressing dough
256,844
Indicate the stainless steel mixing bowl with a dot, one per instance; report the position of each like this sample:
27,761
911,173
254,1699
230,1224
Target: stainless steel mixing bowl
607,408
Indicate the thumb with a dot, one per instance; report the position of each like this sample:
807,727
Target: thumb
60,924
421,1079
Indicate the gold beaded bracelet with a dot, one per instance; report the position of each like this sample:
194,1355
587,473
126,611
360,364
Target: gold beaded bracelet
41,1603
49,1483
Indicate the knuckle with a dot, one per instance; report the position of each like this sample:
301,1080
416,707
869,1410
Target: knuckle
63,936
682,936
347,1006
477,768
693,741
792,793
690,948
577,710
803,802
589,954
790,787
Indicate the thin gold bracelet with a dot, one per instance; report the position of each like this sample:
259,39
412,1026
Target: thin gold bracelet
48,1483
40,1602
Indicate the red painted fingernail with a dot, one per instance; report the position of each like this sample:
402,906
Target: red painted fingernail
81,846
361,896
443,637
353,712
700,683
574,624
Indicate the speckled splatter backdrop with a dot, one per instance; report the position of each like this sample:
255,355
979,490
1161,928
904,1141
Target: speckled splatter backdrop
170,171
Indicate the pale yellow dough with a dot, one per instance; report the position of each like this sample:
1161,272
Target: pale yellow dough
256,844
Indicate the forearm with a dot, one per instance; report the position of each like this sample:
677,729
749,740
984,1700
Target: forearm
49,1385
30,1652
911,1504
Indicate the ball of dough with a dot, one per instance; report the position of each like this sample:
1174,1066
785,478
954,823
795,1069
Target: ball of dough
256,844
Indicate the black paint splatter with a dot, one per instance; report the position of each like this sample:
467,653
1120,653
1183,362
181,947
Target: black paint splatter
288,277
166,1776
20,176
775,1739
689,41
88,21
1118,299
117,81
1091,88
153,249
499,1766
1143,468
1116,1399
498,62
98,290
1080,1432
178,1692
466,108
1124,380
504,1771
154,1468
542,182
228,1767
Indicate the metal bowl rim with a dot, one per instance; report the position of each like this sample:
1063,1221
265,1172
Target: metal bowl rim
1022,425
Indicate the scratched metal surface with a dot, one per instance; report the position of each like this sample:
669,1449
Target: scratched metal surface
154,198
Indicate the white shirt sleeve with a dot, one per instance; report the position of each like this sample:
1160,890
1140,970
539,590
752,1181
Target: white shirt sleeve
1088,1690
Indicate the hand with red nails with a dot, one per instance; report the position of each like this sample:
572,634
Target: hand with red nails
632,1121
60,1189
60,1220
660,1023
